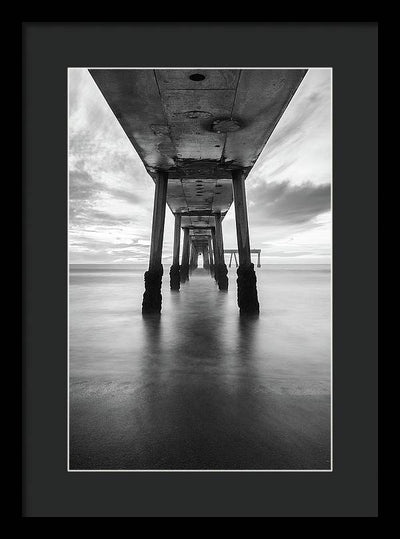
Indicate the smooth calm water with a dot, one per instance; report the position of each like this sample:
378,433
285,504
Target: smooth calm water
200,387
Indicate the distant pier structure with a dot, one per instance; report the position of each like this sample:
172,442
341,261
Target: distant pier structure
199,132
233,252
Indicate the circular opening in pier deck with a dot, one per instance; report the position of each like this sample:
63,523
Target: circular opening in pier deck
197,77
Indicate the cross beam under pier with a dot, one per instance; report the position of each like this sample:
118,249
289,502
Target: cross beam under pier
235,252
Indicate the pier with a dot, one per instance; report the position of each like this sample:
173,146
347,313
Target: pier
199,133
233,253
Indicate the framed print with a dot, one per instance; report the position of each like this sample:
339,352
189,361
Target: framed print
201,317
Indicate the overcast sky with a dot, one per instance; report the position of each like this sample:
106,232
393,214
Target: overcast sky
288,190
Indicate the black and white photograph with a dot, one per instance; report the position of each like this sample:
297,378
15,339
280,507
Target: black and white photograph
199,261
200,269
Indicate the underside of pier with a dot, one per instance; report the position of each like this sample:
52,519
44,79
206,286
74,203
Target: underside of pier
199,133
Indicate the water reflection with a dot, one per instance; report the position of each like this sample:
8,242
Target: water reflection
152,333
195,323
199,386
246,331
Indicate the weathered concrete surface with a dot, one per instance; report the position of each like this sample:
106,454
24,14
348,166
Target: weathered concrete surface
175,277
174,272
246,281
247,295
152,298
184,270
221,271
169,118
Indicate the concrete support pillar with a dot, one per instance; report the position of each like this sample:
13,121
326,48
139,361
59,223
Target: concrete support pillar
258,260
215,254
211,255
184,273
221,270
246,281
192,257
206,258
153,277
174,272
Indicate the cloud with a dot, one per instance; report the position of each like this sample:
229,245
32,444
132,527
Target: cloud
128,196
301,145
88,198
284,254
300,121
82,186
286,204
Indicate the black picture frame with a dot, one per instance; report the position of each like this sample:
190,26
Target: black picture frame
351,488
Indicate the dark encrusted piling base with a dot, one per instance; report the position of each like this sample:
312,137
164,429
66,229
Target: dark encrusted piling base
221,276
212,271
184,273
175,277
247,290
152,296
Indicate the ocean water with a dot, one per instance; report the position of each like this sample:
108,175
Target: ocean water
199,387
